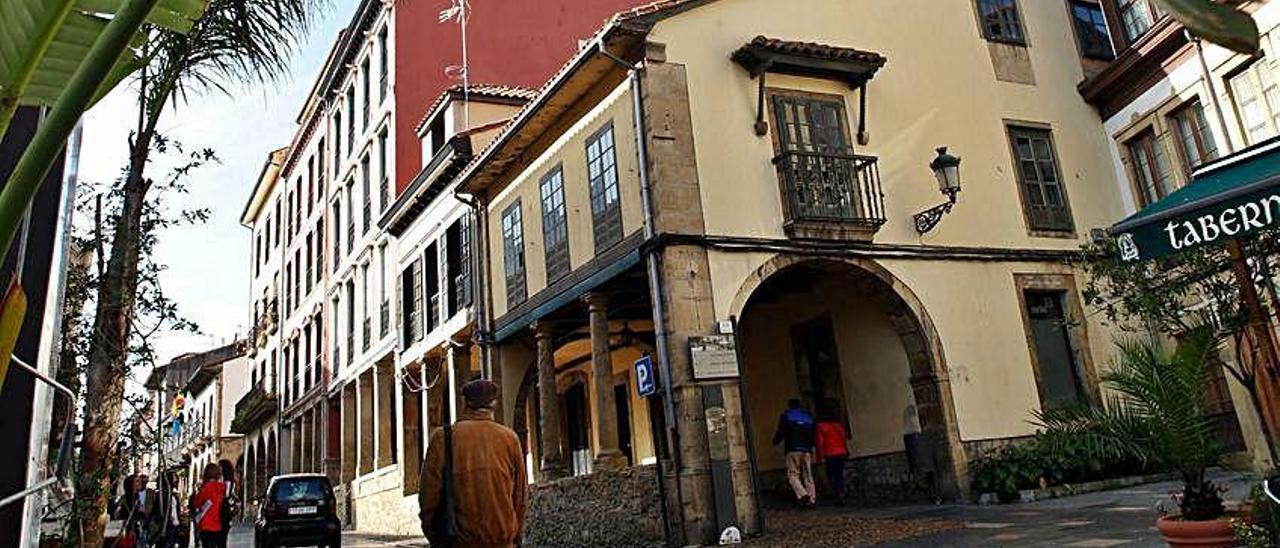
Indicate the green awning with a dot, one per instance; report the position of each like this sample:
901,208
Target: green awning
1232,197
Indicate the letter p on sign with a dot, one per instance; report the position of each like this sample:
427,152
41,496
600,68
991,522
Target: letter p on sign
646,384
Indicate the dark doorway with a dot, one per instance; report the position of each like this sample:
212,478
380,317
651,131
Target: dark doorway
576,420
1061,383
622,404
818,366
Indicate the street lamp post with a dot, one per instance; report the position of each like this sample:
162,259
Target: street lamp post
946,169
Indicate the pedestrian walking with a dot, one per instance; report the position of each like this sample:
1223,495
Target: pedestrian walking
795,433
832,449
473,481
230,502
139,509
208,508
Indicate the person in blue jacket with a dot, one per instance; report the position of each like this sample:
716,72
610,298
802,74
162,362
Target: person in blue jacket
795,433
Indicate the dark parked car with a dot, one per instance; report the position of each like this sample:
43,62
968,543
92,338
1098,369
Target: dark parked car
299,510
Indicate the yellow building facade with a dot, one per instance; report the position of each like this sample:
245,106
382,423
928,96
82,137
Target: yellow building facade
753,170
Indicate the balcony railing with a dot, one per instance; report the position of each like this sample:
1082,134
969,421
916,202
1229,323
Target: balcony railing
351,344
831,188
367,333
253,408
384,318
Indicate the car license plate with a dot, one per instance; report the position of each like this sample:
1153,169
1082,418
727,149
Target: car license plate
302,510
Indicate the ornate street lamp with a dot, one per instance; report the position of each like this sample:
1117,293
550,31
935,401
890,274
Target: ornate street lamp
946,168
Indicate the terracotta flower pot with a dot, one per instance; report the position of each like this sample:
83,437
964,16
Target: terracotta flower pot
1198,534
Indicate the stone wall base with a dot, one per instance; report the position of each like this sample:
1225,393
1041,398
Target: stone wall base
617,509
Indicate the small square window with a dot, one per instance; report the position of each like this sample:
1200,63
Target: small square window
1001,21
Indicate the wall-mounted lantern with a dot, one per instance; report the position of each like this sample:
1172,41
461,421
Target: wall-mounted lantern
946,169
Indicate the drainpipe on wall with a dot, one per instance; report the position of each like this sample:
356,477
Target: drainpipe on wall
480,297
653,268
1213,91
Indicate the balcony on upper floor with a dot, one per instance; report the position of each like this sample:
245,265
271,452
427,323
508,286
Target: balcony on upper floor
830,194
254,409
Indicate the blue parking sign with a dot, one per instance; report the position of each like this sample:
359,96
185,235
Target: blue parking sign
646,383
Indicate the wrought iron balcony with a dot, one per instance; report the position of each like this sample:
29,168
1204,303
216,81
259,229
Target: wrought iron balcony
253,409
831,195
351,345
367,333
384,318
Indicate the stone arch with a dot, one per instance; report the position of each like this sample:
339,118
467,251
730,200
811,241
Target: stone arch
929,379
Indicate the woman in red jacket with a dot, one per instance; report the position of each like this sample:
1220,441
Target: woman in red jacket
208,508
829,443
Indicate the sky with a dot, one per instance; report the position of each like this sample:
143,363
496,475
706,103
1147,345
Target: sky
208,265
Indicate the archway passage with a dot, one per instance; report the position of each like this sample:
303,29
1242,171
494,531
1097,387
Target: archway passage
849,340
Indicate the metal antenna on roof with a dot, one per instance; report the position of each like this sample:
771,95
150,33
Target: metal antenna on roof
461,11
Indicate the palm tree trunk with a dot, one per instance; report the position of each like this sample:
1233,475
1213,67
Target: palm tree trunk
112,330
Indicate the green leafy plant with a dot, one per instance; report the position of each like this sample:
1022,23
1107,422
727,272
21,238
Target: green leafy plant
1261,527
1153,411
1049,459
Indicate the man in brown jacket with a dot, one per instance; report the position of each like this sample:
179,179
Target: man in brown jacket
488,475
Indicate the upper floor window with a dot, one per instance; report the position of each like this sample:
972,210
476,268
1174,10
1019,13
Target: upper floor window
1044,198
411,302
311,183
337,232
364,93
351,215
351,118
458,264
513,254
602,170
337,141
382,65
318,196
555,230
1138,16
384,185
368,196
1000,21
1091,30
1150,167
1194,137
1257,100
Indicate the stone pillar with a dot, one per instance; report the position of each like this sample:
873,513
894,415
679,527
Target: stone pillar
608,457
553,463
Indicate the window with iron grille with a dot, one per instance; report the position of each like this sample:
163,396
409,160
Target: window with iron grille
410,301
384,186
431,285
1137,17
382,65
513,254
1044,198
351,216
555,231
1150,167
457,266
367,197
337,347
1091,30
602,171
337,141
321,176
337,232
351,320
364,93
319,250
351,118
1000,21
366,331
311,184
315,348
310,264
1194,137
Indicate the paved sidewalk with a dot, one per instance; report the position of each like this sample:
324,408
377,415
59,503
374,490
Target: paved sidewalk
1121,518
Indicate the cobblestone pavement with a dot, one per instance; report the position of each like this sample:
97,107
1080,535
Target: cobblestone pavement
1121,518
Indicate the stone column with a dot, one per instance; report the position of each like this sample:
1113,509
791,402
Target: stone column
608,457
553,463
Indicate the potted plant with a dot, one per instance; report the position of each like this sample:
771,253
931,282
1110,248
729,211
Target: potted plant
1153,411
